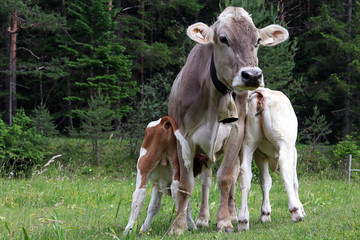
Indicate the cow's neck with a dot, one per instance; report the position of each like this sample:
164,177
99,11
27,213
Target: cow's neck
215,80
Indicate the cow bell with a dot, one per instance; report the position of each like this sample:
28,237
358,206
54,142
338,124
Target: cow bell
227,112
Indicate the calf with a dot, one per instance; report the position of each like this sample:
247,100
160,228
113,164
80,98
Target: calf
270,136
159,163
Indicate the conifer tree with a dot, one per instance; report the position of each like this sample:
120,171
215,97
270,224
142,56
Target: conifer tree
96,59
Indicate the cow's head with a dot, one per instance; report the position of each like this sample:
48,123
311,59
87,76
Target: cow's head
236,41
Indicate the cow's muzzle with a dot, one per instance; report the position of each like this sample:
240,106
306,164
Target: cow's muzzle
249,78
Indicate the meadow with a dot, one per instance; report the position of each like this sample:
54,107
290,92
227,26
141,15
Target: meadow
58,205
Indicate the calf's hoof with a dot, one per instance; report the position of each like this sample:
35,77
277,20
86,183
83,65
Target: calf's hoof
243,225
265,217
202,223
234,218
296,215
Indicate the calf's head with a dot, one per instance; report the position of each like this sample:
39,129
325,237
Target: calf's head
236,40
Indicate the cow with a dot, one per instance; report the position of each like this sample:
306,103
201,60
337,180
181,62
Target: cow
224,62
158,162
270,136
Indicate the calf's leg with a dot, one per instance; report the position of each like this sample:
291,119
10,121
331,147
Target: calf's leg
153,209
265,182
287,171
245,177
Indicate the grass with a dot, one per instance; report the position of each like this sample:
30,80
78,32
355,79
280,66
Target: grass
94,206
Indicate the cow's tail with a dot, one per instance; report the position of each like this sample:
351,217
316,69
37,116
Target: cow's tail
185,147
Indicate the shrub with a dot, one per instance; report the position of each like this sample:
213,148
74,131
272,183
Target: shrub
350,145
20,146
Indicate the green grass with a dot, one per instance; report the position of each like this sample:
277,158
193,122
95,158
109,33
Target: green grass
98,207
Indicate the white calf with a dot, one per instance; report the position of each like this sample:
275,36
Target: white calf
270,136
159,163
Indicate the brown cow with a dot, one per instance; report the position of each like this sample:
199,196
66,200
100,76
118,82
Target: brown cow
225,60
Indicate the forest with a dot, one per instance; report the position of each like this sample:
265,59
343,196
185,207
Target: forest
82,68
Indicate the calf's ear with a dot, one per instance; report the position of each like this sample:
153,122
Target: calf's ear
273,35
201,33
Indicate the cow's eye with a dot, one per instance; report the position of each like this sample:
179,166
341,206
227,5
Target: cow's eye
224,40
258,42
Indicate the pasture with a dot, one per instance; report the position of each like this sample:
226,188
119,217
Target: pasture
96,206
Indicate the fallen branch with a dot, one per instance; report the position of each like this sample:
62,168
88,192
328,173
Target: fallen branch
46,165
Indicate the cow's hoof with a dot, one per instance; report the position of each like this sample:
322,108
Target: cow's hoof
191,226
225,229
265,217
224,226
296,215
202,223
176,231
243,225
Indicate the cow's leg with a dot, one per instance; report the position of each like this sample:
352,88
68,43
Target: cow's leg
224,181
175,196
287,171
232,205
153,209
190,221
244,184
265,182
185,189
204,215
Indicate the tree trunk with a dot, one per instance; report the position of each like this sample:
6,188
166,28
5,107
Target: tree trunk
63,8
346,119
13,30
68,93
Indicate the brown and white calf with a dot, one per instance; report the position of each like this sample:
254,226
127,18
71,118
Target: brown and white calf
224,60
270,136
158,162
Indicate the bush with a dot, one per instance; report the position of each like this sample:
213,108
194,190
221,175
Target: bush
20,146
350,145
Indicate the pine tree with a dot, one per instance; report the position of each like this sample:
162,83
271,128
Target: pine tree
332,51
96,60
96,122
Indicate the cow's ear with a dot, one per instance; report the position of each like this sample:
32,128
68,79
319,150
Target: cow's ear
273,35
201,33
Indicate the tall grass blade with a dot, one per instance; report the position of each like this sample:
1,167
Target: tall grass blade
7,227
26,235
118,208
57,226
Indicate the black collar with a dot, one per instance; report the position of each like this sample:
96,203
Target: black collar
218,85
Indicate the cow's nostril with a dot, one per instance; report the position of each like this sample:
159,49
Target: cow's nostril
245,76
252,77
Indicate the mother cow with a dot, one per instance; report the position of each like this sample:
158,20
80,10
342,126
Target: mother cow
224,61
